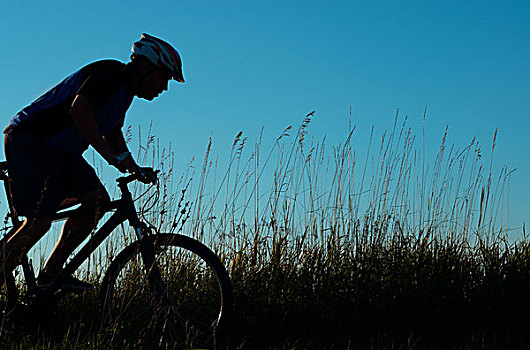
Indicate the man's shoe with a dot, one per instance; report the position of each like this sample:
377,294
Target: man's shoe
69,282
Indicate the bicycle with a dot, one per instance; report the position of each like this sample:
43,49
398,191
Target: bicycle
188,299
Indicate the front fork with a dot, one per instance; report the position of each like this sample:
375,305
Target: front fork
148,254
160,290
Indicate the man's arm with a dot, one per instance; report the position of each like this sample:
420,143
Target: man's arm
111,145
83,117
116,141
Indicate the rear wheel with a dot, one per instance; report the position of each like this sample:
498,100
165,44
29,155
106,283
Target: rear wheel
191,304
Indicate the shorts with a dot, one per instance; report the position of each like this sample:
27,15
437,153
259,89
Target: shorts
41,177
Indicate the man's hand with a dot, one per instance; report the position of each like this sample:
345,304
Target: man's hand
147,175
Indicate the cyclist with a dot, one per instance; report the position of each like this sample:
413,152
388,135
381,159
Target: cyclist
45,141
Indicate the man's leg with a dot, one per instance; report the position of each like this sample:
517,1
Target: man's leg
31,231
75,231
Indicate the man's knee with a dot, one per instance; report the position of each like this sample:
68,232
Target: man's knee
95,204
96,199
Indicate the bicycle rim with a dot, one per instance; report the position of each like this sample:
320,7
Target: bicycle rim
193,307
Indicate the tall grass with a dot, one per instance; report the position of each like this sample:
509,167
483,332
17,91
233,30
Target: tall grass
330,248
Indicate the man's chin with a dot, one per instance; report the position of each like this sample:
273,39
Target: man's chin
148,98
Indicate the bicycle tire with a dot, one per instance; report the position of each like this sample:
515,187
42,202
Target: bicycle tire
195,282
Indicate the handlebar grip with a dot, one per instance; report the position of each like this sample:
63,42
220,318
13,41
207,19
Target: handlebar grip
145,175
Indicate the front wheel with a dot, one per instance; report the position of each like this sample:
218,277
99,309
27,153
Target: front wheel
190,305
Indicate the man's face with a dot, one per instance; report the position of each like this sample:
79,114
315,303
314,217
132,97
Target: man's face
153,83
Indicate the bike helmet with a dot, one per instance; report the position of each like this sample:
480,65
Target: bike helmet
159,53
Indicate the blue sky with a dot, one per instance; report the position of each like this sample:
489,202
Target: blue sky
250,65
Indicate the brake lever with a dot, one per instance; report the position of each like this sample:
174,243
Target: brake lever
148,175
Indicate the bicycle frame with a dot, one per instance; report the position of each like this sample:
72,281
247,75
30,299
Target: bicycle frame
147,246
125,211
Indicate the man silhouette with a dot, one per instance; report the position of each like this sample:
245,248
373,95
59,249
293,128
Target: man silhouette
45,141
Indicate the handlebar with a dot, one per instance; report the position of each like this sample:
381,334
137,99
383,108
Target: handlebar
124,180
145,175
